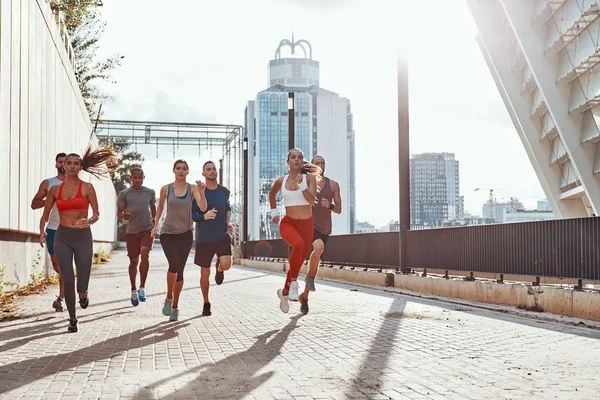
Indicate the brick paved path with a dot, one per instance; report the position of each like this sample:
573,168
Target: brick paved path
355,343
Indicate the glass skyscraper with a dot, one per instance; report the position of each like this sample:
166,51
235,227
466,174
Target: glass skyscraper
323,125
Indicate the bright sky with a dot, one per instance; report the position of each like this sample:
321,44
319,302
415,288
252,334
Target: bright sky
201,61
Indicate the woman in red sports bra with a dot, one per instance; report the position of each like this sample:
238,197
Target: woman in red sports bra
73,240
298,190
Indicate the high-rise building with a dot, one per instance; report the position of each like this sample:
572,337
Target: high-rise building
434,190
323,125
543,56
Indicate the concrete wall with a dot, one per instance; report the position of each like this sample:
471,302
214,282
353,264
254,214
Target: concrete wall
42,113
571,303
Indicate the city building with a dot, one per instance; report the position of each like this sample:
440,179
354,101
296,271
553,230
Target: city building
323,125
526,215
434,190
543,56
543,205
365,227
494,211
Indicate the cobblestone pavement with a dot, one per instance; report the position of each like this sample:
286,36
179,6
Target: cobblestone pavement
356,342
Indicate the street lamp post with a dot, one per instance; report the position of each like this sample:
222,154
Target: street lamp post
403,159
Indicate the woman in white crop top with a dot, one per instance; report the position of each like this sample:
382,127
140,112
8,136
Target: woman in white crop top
298,190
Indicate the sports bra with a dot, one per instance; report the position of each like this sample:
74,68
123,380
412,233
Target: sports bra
293,197
77,203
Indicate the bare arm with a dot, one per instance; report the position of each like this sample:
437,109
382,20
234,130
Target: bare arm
200,197
153,211
310,193
49,203
337,198
274,190
93,203
161,206
39,198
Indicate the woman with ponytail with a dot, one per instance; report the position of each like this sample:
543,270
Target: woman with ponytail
73,238
298,190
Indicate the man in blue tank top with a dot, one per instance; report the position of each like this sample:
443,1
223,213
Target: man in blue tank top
212,232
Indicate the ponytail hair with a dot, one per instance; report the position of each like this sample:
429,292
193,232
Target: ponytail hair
308,168
99,163
312,169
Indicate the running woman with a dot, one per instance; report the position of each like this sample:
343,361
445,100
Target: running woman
176,232
298,191
137,205
39,200
212,233
73,238
328,200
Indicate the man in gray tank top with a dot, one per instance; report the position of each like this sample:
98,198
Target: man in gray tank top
328,200
39,201
137,205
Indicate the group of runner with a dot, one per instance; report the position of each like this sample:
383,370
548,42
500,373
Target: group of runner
309,198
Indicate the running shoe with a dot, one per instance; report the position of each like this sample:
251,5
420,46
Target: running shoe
57,304
84,302
72,325
166,310
174,314
284,304
293,294
134,298
206,309
142,294
303,304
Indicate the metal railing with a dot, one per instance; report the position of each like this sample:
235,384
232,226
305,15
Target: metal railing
567,248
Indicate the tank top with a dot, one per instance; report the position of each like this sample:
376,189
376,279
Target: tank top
322,215
54,219
77,203
179,212
293,197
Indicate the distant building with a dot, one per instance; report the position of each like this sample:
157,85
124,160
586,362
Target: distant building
527,215
543,205
365,227
495,211
434,190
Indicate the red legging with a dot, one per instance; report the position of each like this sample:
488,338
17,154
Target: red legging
298,233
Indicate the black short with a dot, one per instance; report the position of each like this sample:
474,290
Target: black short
319,235
206,251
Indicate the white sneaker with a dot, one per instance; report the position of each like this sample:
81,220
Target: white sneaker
293,294
284,304
142,294
134,298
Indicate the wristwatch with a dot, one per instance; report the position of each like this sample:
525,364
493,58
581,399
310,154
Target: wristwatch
331,206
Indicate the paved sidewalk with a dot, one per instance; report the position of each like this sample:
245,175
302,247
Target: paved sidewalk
354,343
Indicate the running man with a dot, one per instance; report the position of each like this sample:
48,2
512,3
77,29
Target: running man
328,200
39,201
137,205
212,232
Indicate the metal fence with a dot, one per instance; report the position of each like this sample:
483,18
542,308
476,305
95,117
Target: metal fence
568,248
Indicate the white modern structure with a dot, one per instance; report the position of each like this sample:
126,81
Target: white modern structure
544,55
323,125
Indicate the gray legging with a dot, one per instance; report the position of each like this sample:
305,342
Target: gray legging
77,243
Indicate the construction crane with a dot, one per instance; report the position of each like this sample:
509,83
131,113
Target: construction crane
491,201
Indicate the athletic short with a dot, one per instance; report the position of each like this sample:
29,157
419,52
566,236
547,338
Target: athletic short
206,251
135,242
319,235
50,233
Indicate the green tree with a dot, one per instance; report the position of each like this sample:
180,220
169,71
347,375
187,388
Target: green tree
128,160
84,26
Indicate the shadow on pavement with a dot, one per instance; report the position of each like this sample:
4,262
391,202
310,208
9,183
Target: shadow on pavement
221,380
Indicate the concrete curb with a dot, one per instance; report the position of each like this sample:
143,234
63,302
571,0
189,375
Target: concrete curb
567,302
